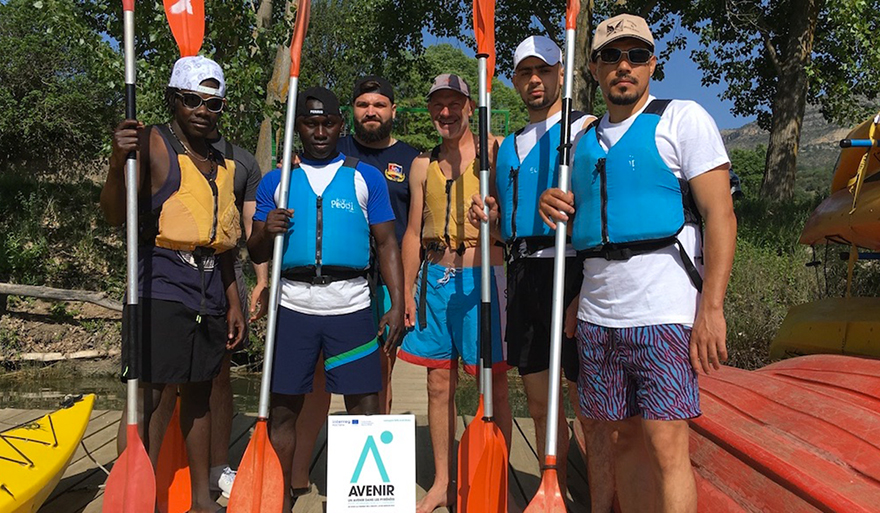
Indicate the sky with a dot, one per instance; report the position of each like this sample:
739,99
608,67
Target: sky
682,82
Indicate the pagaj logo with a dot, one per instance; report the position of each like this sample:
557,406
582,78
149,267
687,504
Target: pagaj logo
384,490
342,204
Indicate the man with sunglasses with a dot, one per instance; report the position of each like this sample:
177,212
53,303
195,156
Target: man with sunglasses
336,203
527,165
189,312
645,178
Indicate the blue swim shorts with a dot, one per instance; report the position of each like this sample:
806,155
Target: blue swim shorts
347,341
643,370
452,320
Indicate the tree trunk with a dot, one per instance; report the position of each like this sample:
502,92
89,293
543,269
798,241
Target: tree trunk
584,85
276,92
789,103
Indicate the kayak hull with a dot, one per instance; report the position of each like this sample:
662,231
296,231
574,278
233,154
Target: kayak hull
832,221
795,436
34,456
831,325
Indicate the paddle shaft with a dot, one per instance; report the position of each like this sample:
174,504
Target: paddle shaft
558,305
278,254
485,259
131,226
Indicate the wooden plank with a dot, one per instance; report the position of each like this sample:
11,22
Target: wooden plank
578,486
6,413
103,432
317,496
525,472
22,416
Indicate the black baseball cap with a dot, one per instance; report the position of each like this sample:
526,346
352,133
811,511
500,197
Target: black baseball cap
373,84
329,101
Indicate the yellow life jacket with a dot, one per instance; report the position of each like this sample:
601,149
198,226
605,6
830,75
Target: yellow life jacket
445,223
200,212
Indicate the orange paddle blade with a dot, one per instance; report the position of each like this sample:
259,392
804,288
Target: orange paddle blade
571,14
131,486
470,448
259,485
173,487
484,30
488,493
303,10
187,21
549,496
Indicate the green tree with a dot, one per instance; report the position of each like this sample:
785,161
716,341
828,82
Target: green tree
57,94
776,56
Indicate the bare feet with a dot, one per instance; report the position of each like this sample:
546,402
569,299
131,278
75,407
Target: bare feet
437,497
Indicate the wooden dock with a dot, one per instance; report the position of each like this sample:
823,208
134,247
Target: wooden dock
81,489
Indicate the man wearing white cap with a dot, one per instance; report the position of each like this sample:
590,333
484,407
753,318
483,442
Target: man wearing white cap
645,179
189,311
526,166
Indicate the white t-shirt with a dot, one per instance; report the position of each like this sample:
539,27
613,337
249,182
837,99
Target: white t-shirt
529,137
343,296
654,288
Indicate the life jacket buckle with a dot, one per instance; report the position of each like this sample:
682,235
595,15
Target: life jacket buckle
617,253
322,280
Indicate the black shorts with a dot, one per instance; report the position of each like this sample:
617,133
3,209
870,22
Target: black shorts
177,344
529,298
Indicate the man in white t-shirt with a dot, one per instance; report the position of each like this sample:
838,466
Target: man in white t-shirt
527,165
336,204
644,180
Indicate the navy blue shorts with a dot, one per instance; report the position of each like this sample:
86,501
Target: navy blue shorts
348,342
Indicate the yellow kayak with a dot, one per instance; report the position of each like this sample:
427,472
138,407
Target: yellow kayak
848,163
834,325
34,455
834,220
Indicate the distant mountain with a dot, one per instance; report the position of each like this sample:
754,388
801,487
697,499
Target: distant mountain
819,139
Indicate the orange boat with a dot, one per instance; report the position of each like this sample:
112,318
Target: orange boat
798,435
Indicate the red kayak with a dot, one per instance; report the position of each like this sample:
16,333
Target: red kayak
799,435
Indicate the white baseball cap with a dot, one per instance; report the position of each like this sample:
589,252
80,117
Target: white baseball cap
190,72
537,46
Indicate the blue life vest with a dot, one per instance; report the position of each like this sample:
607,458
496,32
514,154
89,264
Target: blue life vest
520,184
628,201
328,232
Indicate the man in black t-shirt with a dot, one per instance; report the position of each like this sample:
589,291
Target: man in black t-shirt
374,110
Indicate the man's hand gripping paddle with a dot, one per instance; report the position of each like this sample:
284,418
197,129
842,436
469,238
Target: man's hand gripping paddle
482,465
259,484
131,486
549,496
186,18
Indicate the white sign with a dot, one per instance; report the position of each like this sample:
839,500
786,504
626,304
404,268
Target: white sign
371,463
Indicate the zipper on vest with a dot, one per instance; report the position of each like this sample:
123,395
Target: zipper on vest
514,176
319,233
603,186
449,184
216,195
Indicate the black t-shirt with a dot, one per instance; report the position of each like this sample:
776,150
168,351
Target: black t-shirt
394,163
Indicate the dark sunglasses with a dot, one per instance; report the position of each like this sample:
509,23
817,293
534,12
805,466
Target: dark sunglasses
193,101
633,55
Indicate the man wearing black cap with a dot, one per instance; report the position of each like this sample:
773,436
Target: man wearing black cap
336,204
373,111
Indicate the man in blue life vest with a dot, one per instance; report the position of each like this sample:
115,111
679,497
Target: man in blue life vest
644,179
189,312
336,203
445,317
373,113
527,165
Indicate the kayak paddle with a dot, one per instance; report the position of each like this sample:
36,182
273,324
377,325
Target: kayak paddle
549,497
259,485
131,486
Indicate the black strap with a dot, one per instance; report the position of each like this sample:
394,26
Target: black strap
524,247
166,133
435,153
350,161
228,153
657,107
423,297
329,274
627,251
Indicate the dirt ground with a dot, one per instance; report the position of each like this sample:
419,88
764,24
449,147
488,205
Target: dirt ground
35,326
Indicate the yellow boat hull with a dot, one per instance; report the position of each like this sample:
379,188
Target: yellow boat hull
849,326
848,163
833,222
34,456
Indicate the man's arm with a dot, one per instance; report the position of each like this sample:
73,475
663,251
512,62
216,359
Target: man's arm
260,294
711,191
234,318
392,274
411,245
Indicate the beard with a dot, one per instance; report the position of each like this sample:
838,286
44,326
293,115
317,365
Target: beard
545,102
382,132
624,98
